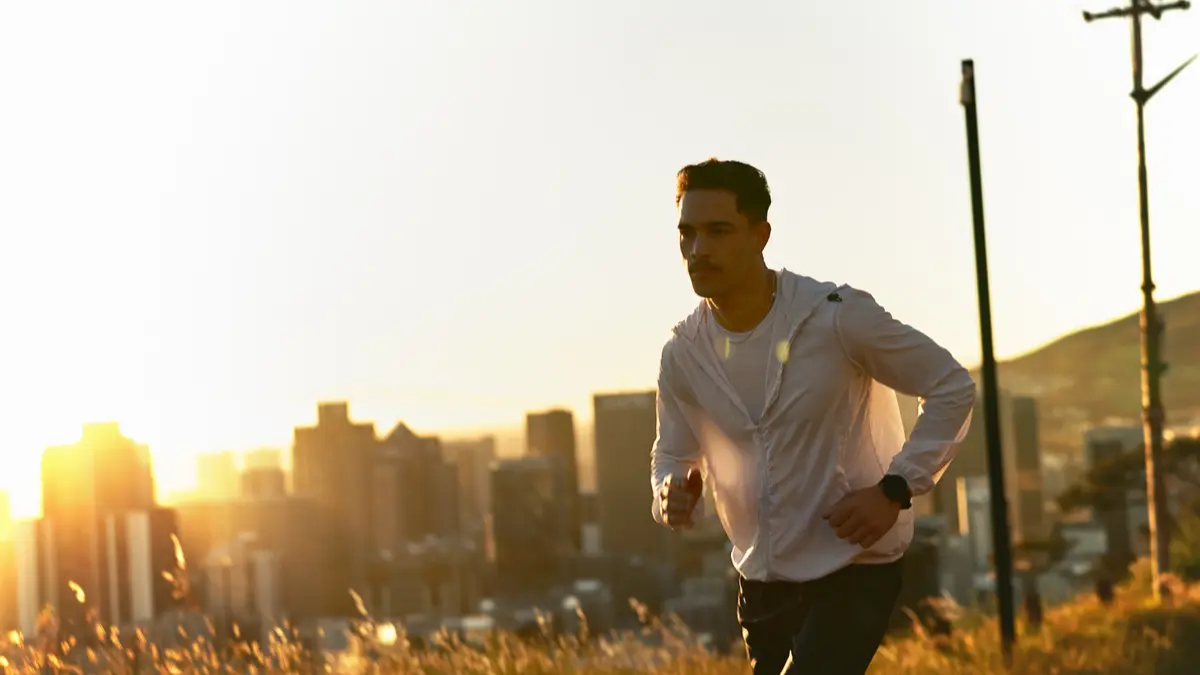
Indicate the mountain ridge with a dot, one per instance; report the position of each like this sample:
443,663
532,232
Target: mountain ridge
1092,376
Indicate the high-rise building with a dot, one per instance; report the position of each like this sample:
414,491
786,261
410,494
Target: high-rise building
1124,509
214,533
332,463
415,493
217,475
133,550
1021,452
262,474
625,427
527,549
262,458
104,474
472,459
1103,444
551,434
263,482
411,497
104,469
414,554
1029,507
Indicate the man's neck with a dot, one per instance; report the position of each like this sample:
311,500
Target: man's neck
742,310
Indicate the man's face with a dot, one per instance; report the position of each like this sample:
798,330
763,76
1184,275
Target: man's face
721,247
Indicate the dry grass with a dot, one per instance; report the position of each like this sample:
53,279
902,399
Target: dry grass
1132,636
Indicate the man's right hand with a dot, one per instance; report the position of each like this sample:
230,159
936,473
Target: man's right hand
677,498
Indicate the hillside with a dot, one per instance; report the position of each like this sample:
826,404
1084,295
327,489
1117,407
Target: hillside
1093,376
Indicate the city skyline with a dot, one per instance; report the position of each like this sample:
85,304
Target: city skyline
509,439
406,522
260,224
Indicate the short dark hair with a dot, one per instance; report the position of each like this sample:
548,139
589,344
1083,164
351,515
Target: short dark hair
748,184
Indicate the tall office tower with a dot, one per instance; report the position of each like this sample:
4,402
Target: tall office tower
625,427
332,463
526,523
123,581
551,434
1124,509
217,475
1029,508
472,459
262,475
262,458
102,477
263,482
1021,454
414,490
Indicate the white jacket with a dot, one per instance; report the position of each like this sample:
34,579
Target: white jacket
831,425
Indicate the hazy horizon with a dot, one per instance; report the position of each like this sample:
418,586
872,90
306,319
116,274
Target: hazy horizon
452,213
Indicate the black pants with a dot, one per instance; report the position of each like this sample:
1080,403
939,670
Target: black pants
828,626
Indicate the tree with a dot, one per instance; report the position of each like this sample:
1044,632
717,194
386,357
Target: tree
1039,555
1185,545
1105,485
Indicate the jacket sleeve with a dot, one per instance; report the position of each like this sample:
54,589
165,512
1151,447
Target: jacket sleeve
908,361
675,449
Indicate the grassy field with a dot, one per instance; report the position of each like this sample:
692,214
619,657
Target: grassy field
1134,635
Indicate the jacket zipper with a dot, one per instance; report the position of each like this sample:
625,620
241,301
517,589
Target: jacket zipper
760,435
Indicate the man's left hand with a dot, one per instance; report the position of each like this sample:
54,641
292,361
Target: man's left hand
863,516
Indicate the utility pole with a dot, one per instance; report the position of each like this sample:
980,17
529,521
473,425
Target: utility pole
1001,536
1153,418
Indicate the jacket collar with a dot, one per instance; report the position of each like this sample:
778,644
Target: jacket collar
799,294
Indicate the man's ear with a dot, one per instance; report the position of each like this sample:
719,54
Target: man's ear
764,234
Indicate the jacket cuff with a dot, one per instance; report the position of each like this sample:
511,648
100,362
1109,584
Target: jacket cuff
919,480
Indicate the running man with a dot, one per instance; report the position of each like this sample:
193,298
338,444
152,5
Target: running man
780,389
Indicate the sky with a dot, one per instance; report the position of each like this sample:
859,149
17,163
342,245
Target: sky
448,213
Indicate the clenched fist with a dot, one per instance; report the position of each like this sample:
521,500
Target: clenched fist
677,498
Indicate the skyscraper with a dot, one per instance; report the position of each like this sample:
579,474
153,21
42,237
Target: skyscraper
102,479
1123,509
217,475
262,458
526,524
262,475
551,434
121,577
332,464
1021,453
414,490
472,460
263,482
1030,505
625,426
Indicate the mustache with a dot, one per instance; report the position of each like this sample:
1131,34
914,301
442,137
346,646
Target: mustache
694,267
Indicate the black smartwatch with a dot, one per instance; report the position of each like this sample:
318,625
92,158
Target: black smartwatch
896,489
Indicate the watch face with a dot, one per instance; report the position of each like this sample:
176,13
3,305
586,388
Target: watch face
896,489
